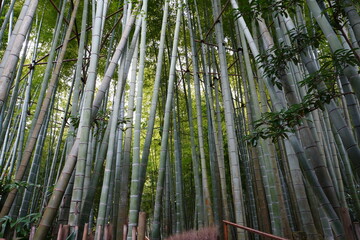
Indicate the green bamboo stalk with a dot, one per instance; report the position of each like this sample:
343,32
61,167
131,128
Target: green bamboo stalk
69,165
134,186
34,168
125,164
354,18
277,105
88,200
6,20
165,132
65,202
9,137
230,127
180,220
11,109
14,96
199,203
26,105
79,65
217,129
264,222
245,112
49,66
266,166
154,101
119,51
15,46
119,151
205,185
100,223
350,71
85,118
49,180
44,109
22,14
214,171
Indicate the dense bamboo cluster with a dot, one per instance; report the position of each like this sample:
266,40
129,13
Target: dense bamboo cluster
189,112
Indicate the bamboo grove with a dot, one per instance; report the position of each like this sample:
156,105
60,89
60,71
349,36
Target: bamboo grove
189,111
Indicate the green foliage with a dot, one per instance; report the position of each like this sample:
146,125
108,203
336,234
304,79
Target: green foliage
335,11
264,8
304,36
4,221
75,121
332,66
276,125
21,226
101,120
339,60
274,63
8,185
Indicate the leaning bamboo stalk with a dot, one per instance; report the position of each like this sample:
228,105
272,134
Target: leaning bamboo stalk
16,46
66,198
354,19
335,115
350,71
49,180
6,20
294,142
65,175
34,169
44,109
5,121
12,107
19,22
88,200
49,67
119,51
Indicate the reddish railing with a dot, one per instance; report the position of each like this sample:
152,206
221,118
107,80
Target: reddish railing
226,236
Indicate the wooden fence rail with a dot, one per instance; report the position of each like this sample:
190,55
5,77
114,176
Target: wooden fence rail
226,237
